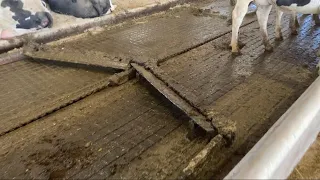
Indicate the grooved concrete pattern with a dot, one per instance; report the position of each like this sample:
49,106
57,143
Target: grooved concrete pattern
157,36
29,89
207,73
98,137
247,93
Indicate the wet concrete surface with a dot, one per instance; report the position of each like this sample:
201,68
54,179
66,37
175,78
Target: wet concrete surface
108,134
76,56
223,8
30,89
155,37
207,73
247,93
126,132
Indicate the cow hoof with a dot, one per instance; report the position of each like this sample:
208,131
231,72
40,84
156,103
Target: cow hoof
294,32
113,7
269,48
280,38
235,53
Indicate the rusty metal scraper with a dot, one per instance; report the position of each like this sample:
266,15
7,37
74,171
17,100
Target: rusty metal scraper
71,55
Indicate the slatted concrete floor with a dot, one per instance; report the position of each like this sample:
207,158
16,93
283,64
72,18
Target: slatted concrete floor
246,93
249,92
30,89
100,136
155,37
207,73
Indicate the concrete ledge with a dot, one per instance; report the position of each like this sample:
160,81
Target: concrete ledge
47,35
122,77
7,58
205,161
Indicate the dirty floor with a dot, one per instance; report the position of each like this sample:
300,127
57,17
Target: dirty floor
309,166
130,130
98,137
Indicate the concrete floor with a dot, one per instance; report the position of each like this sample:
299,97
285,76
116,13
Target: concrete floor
30,89
100,136
131,131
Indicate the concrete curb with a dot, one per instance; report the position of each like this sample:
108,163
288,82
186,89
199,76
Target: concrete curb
206,161
11,57
47,35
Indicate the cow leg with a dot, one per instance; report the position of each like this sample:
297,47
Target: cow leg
318,65
231,6
279,36
293,23
316,19
296,22
238,14
263,15
113,7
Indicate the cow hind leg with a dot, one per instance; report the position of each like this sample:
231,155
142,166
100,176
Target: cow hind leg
316,19
231,6
294,23
279,36
318,65
238,14
113,7
263,15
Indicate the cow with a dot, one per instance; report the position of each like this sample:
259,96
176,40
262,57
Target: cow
81,8
316,19
21,16
263,11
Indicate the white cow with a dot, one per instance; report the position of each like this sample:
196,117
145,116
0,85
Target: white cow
21,16
263,11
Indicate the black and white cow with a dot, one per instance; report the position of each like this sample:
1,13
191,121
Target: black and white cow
81,8
21,16
301,6
232,4
263,11
316,19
